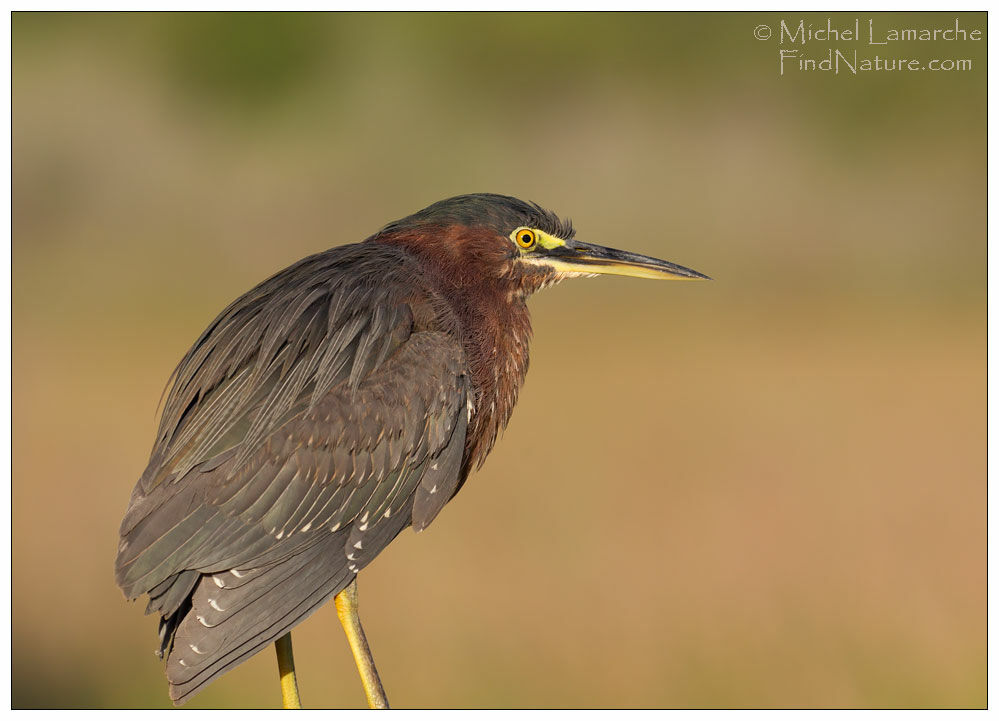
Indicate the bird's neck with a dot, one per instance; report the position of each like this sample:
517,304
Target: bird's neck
496,333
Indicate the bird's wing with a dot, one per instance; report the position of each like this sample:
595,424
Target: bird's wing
318,416
294,535
314,404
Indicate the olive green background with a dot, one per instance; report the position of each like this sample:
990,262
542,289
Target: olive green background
766,490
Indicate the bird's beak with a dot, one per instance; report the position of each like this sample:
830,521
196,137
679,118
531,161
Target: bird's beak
578,257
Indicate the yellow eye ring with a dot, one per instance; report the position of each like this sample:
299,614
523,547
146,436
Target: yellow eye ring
525,238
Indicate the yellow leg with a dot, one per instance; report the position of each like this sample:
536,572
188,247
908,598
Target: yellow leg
286,667
346,609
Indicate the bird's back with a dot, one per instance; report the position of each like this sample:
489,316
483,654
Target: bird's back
318,415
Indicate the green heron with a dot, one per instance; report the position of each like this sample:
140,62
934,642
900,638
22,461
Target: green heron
321,413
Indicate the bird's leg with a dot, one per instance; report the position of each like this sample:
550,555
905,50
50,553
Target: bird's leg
286,667
346,609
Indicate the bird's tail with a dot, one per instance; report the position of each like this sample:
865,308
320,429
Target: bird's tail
233,614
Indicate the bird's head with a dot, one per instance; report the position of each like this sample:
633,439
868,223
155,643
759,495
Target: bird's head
481,238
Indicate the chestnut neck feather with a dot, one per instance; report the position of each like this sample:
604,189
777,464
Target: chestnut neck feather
474,271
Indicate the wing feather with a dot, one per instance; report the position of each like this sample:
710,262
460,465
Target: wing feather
310,416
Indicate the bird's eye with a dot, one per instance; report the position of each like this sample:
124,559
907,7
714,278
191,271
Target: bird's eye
525,238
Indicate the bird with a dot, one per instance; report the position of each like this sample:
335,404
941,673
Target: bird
342,400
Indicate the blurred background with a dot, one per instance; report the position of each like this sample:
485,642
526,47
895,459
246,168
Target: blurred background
775,493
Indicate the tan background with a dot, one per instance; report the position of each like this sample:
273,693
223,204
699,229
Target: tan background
768,490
